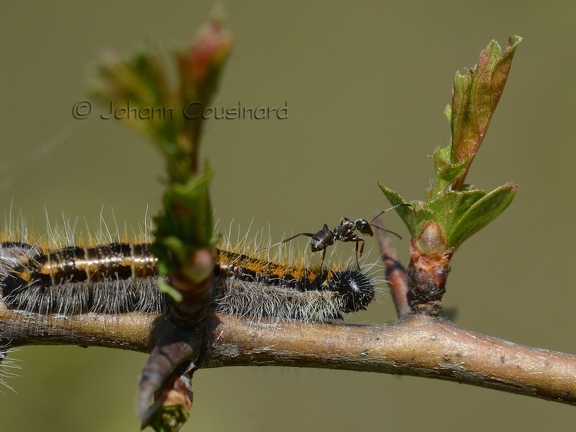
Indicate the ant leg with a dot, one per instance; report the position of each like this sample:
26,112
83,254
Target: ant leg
322,259
286,240
359,253
360,239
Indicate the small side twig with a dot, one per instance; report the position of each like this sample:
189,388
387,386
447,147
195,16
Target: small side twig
178,338
395,271
175,352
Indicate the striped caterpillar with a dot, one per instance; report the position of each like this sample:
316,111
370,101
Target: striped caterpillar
117,277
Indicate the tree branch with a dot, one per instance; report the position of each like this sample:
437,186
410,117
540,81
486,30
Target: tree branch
417,345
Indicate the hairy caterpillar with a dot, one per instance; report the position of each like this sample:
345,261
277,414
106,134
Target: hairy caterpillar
120,277
65,278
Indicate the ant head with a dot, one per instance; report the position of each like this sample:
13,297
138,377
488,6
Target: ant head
363,226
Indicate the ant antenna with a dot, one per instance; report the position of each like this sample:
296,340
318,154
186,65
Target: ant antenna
387,210
384,211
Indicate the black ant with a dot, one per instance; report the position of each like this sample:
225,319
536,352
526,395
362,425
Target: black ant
345,232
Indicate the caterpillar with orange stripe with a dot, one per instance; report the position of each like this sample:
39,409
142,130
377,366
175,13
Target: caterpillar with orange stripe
118,277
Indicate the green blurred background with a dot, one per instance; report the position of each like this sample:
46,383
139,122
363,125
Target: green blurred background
366,85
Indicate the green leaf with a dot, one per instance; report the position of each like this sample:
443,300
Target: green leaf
459,214
481,213
448,113
167,289
444,211
185,224
476,94
446,173
404,212
447,207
